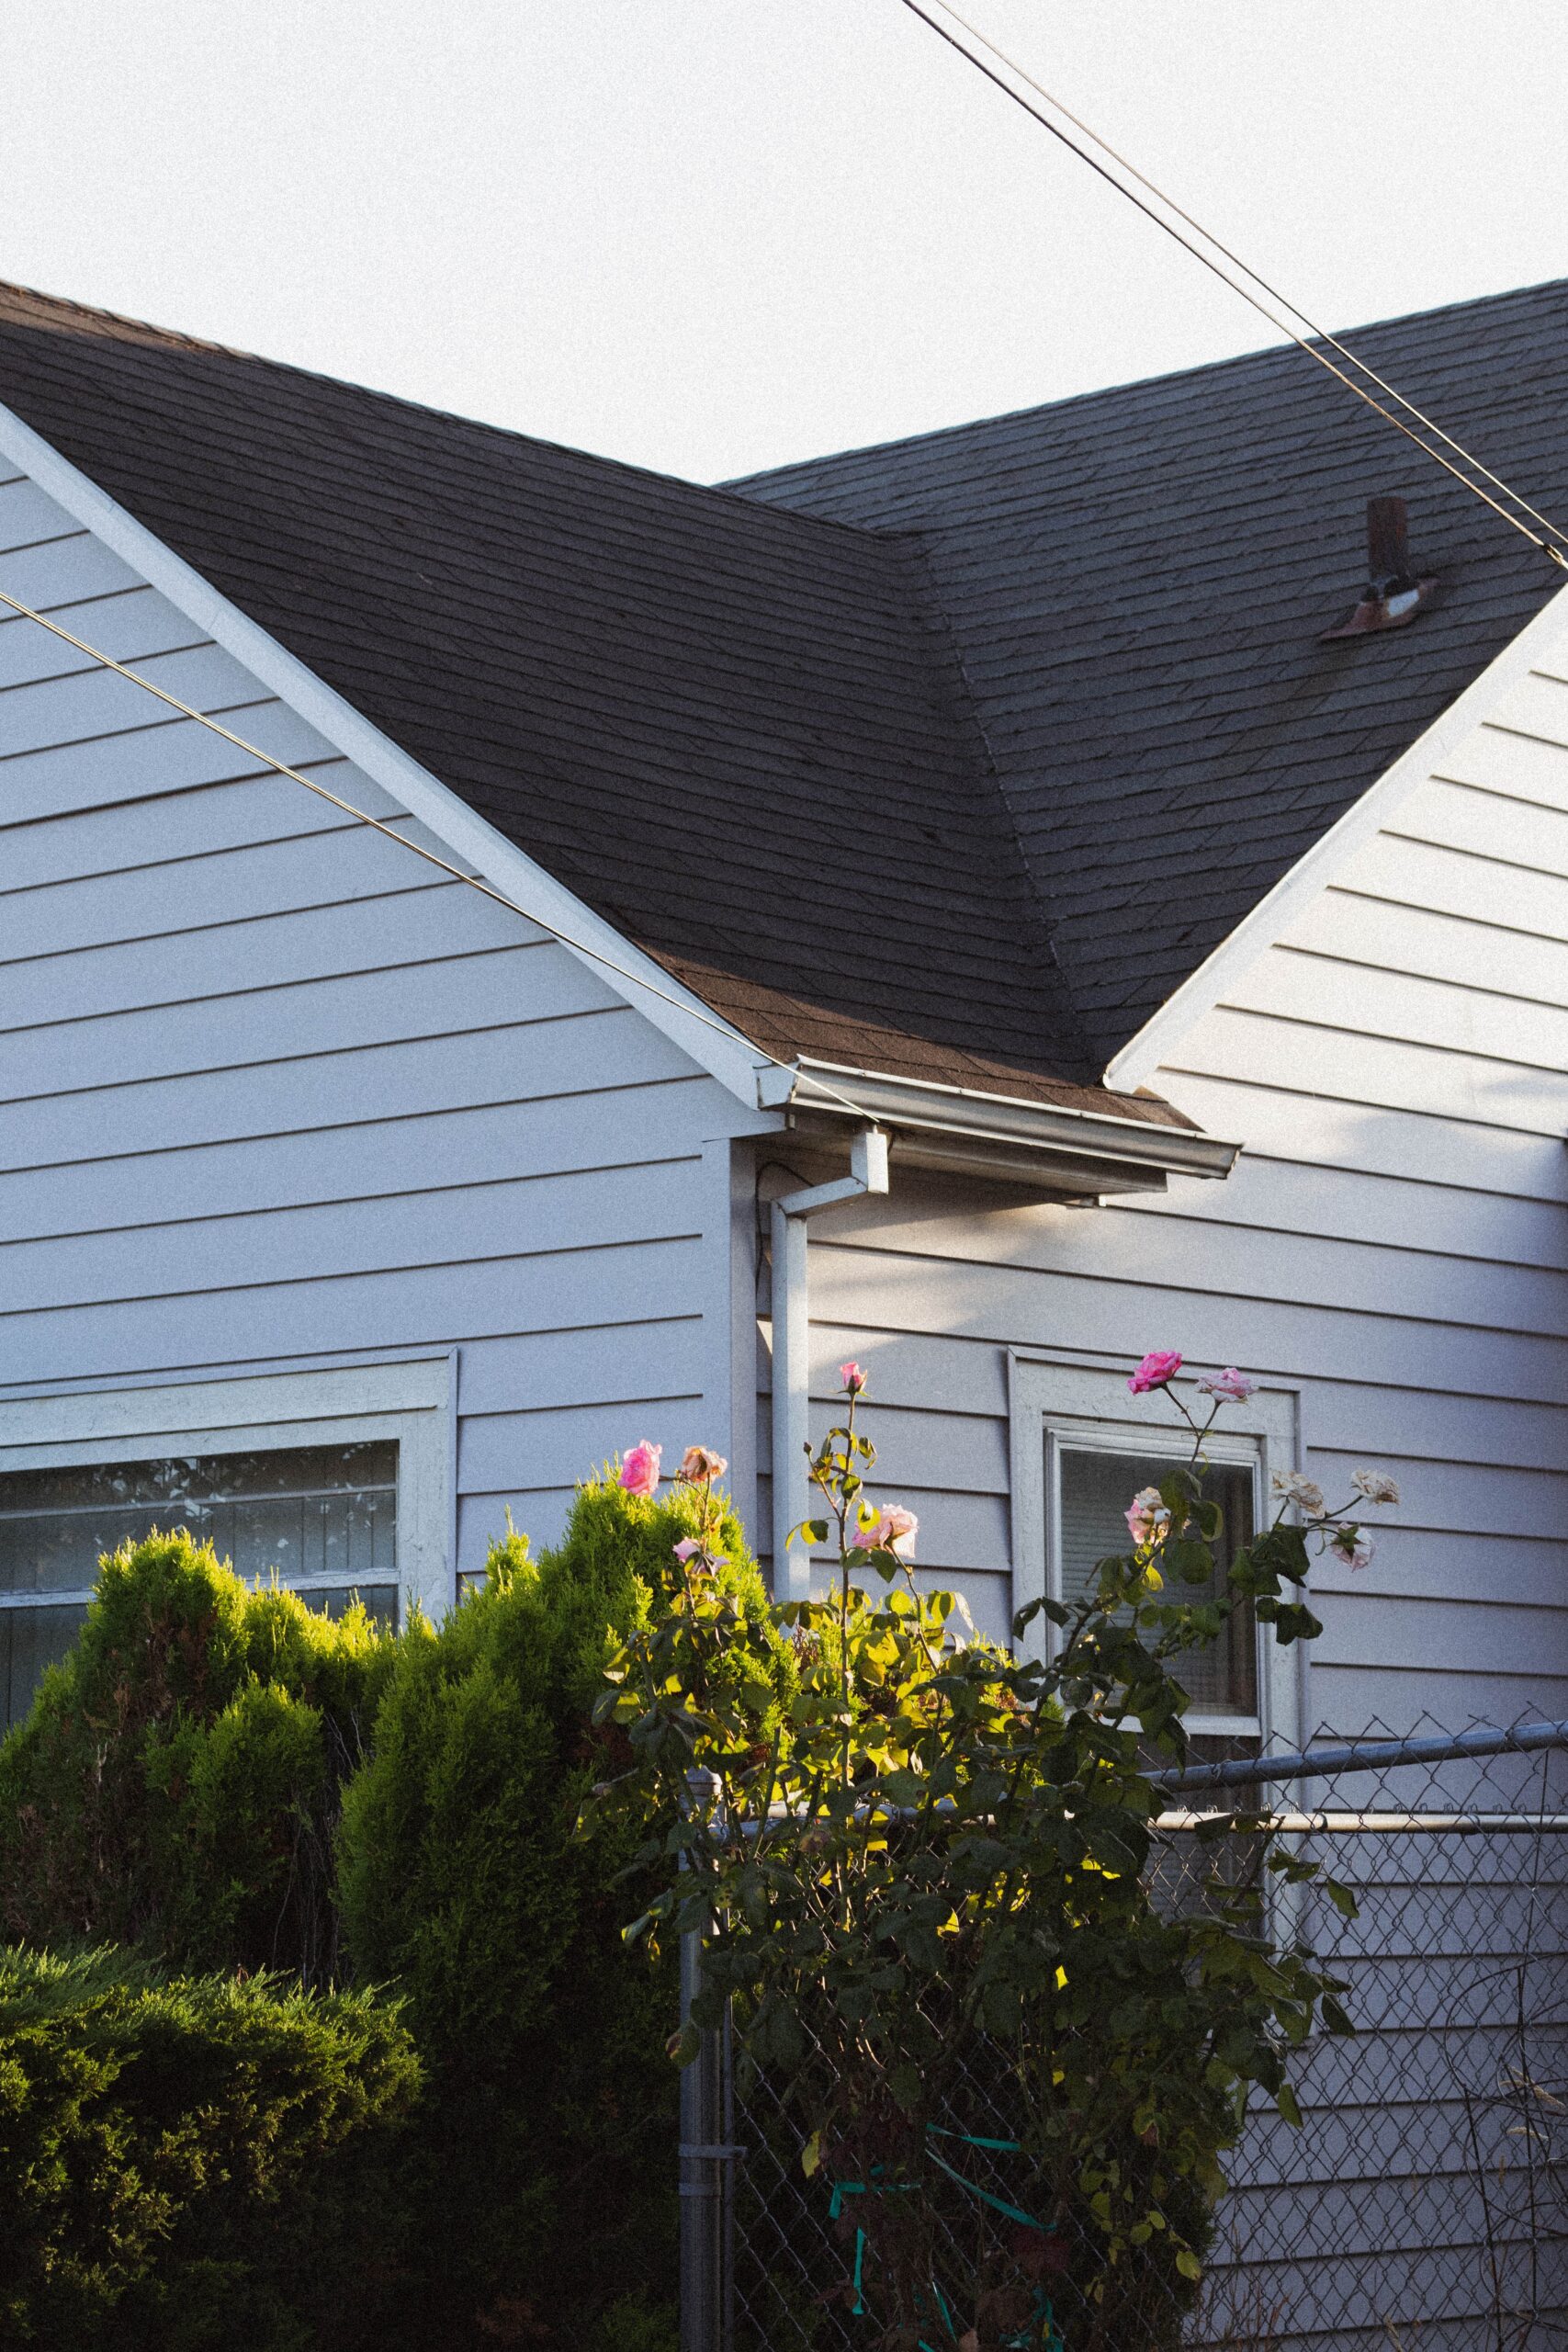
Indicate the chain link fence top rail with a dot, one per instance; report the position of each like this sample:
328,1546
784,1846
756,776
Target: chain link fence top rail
1423,2204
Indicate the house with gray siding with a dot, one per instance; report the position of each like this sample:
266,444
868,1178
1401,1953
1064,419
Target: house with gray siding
953,905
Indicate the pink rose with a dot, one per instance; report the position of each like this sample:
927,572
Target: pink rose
853,1377
1230,1384
697,1464
639,1471
1158,1370
894,1532
1351,1545
1146,1516
691,1547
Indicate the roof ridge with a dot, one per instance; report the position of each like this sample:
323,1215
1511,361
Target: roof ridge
749,484
144,333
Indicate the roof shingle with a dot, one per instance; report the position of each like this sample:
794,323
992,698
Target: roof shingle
1137,581
951,758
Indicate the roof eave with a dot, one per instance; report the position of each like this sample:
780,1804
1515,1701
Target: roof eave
1083,1154
1204,990
713,1043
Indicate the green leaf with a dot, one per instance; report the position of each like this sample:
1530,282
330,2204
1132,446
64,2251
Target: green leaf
1285,2100
1193,1562
685,2045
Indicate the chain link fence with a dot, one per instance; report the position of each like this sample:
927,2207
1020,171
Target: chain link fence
1424,2202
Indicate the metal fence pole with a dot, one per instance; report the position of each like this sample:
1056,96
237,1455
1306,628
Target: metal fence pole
707,2160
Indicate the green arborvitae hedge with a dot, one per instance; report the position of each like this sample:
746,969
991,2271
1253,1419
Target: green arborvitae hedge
197,2164
549,2120
176,1784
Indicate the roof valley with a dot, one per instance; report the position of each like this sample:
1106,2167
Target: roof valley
1037,950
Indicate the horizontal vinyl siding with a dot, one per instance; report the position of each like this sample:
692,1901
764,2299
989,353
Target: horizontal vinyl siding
273,1090
1393,1243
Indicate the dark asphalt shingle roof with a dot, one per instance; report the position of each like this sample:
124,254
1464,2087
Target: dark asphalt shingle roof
1136,582
739,733
951,758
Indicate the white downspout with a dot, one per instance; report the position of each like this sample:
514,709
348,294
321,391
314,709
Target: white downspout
792,1347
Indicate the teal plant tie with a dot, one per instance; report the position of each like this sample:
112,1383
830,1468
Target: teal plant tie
1041,2316
872,2188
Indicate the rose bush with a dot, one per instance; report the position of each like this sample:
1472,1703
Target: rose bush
930,1887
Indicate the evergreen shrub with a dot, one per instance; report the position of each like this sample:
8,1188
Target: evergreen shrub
195,2163
178,1782
550,2116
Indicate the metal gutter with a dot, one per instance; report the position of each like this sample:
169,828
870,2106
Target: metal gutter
1041,1128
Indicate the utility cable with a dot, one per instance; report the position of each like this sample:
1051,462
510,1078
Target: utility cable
475,881
1336,342
1547,547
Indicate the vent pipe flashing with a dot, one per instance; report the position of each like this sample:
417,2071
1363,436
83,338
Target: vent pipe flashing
1393,595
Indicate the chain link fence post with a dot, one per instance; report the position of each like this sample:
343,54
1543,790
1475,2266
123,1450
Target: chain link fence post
707,2152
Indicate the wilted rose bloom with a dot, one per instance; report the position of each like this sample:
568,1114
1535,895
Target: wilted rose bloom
640,1470
894,1532
1352,1546
853,1377
1230,1384
1376,1485
1146,1515
1158,1370
1296,1487
697,1463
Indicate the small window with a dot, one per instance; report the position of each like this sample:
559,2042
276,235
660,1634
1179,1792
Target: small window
323,1518
1095,1488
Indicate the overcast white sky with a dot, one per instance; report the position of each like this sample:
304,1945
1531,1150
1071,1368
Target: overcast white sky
712,234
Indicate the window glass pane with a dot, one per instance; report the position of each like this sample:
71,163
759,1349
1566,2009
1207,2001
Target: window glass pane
1096,1489
297,1511
31,1639
305,1510
380,1601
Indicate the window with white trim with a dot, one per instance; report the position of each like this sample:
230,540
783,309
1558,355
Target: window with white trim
1092,1477
1082,1448
334,1480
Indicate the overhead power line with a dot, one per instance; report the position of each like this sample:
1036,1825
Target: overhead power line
457,873
1549,546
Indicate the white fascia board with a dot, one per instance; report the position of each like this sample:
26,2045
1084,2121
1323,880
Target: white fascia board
1143,1055
838,1089
724,1053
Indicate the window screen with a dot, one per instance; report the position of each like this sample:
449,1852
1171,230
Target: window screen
1096,1488
322,1516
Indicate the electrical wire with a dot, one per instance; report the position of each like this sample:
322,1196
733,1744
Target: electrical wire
1548,548
1323,334
457,873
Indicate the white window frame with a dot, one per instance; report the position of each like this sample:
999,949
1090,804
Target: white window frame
1058,1402
410,1400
